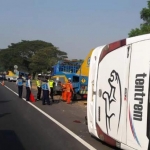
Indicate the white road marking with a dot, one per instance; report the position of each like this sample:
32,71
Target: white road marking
58,123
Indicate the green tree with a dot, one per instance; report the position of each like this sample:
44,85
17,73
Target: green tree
45,58
31,56
26,49
7,58
145,26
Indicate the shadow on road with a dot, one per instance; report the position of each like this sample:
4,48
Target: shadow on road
55,102
4,101
10,141
4,114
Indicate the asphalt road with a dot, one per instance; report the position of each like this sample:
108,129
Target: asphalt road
22,127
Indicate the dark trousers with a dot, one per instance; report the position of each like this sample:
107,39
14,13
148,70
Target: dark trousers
20,89
39,93
45,97
28,92
52,93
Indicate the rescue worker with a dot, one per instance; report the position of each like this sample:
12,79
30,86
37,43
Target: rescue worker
51,85
38,83
28,87
46,90
19,83
63,92
69,91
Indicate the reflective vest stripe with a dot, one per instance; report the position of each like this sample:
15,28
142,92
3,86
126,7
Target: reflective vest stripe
27,85
44,86
51,83
38,83
20,82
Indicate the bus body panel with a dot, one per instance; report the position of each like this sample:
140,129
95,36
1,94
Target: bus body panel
91,88
138,96
123,74
109,103
136,39
124,95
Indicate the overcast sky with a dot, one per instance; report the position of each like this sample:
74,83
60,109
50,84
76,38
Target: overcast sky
75,26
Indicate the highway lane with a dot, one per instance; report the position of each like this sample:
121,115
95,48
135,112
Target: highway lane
71,116
24,128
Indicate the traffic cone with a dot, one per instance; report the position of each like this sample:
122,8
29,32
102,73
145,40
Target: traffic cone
3,83
32,99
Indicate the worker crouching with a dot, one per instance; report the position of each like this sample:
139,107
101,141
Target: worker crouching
46,91
69,91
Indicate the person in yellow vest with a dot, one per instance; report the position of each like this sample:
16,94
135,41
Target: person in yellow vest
51,85
38,83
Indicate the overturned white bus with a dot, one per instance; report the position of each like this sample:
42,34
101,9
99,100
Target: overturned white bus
118,105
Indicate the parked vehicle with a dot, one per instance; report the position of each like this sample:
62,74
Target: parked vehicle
10,76
118,104
1,77
83,73
76,70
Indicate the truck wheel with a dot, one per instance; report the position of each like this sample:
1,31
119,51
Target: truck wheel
74,97
83,97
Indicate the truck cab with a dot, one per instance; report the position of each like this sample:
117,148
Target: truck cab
78,71
66,69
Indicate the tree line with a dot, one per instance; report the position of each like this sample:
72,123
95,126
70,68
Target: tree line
145,26
39,56
30,56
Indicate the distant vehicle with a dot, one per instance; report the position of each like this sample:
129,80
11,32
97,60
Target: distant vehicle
118,104
1,77
10,76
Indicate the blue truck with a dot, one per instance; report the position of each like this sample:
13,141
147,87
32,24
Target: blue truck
76,70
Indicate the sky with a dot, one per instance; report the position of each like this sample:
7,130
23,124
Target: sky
75,26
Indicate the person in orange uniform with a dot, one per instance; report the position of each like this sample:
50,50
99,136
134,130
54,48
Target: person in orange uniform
63,92
69,91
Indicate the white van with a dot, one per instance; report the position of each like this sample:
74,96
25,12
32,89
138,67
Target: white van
118,105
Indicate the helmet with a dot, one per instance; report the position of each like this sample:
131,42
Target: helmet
69,79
